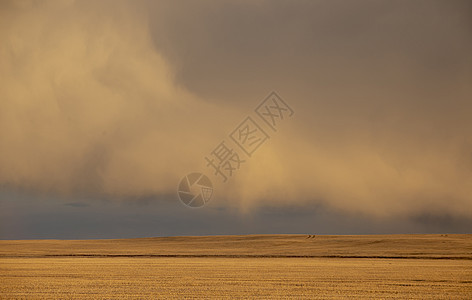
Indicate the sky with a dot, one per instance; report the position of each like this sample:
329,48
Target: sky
106,106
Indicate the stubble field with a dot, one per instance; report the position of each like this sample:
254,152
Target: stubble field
265,266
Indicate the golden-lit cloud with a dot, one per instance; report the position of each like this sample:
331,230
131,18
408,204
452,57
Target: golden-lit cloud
123,99
87,103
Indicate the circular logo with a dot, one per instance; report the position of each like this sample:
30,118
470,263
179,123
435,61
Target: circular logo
195,190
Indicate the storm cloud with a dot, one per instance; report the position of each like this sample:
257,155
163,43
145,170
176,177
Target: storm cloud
121,99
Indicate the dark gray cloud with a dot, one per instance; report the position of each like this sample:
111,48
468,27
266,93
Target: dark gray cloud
24,216
222,48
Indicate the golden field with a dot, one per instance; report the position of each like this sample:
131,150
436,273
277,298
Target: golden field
255,266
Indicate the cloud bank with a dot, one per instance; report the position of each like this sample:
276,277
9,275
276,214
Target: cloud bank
124,98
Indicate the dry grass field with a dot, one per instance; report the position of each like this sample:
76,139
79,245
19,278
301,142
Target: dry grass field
256,266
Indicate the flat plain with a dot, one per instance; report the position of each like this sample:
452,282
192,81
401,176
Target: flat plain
253,266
